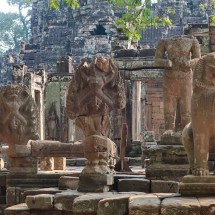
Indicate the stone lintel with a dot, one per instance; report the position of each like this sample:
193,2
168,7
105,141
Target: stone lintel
95,182
45,148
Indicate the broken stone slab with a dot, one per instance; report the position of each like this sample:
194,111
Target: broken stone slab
207,205
197,185
148,136
19,209
135,184
41,201
95,182
180,205
68,182
64,201
160,186
88,203
170,154
144,205
111,205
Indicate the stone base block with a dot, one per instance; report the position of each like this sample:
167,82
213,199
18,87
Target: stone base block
47,164
41,201
171,138
60,163
25,165
95,182
168,154
173,172
68,182
197,185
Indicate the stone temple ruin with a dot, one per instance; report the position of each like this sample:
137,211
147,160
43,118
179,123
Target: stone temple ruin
66,98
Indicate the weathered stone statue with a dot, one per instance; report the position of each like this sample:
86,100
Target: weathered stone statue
198,133
18,124
174,54
95,90
198,136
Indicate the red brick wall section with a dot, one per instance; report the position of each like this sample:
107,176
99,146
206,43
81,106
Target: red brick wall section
154,107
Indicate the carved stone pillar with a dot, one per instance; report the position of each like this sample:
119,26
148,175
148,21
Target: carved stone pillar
18,124
94,91
136,110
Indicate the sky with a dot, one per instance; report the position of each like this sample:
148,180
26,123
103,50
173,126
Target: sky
4,7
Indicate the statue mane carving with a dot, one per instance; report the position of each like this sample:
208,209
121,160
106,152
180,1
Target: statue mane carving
99,80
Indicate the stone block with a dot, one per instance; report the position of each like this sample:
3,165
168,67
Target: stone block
68,182
95,182
167,154
11,196
207,206
41,201
47,212
1,163
60,163
24,165
180,205
88,203
47,164
64,201
20,209
144,205
159,186
117,203
197,185
159,171
135,184
23,150
134,161
135,149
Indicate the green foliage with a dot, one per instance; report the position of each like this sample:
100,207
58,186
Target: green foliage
138,15
15,27
56,4
11,33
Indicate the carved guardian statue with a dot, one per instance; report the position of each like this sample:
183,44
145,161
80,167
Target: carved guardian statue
198,136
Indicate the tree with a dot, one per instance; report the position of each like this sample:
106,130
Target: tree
138,15
11,32
24,12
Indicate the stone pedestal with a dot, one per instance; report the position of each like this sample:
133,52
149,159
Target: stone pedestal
197,185
167,162
95,182
23,165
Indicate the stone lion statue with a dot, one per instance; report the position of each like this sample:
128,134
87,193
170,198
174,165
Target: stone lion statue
197,136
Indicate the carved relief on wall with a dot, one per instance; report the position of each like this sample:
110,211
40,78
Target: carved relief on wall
18,116
94,91
53,124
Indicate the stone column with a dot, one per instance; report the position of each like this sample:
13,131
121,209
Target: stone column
136,110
